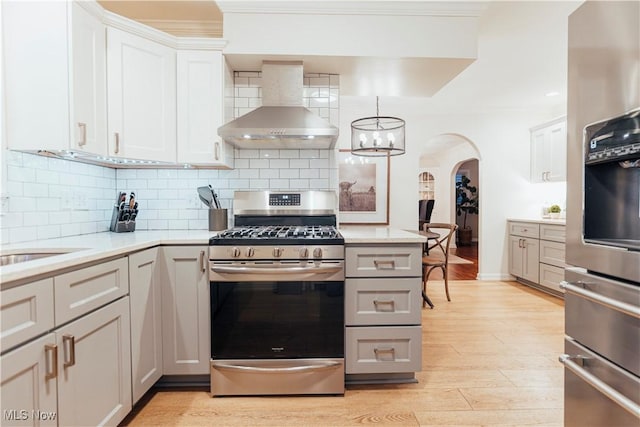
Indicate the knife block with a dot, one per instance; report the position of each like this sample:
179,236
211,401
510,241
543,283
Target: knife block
118,226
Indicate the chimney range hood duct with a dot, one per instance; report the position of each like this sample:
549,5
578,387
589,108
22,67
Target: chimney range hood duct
282,121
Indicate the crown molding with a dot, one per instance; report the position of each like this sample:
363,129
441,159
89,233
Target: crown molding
182,28
357,7
144,30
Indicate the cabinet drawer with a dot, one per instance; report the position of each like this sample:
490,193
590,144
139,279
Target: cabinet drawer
81,291
26,311
552,253
383,349
381,261
551,276
383,301
524,229
552,232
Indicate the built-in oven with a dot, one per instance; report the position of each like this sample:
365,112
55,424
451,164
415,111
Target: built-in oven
277,297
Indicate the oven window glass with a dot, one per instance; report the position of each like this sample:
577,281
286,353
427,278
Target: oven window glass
267,320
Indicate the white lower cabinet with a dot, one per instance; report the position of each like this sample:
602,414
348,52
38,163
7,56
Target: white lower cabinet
94,367
383,300
78,375
185,310
146,321
536,254
29,393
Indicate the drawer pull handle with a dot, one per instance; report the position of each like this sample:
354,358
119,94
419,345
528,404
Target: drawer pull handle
390,303
51,349
390,262
613,304
379,351
72,350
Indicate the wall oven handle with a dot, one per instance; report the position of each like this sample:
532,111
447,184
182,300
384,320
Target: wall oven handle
599,385
611,303
319,366
275,270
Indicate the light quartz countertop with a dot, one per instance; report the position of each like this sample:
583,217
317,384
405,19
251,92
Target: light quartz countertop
559,221
77,250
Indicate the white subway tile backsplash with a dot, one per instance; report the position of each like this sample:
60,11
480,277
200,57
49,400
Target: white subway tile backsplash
279,184
289,173
302,184
319,163
319,184
20,174
36,190
259,184
309,154
259,163
278,163
269,173
250,173
48,231
299,163
309,173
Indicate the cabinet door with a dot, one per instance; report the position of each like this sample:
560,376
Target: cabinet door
557,152
36,74
94,367
200,107
531,256
185,311
515,256
141,98
538,155
29,384
146,321
89,118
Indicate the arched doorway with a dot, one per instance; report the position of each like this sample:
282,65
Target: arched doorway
448,157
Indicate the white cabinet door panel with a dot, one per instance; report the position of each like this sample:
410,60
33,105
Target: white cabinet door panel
94,367
141,89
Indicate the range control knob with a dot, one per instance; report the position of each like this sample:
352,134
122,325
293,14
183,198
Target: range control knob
317,253
235,252
250,252
277,252
304,253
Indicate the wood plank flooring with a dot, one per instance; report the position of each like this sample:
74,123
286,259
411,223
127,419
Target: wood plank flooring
489,358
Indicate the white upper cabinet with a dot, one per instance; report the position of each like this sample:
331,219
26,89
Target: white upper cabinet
200,108
549,151
141,89
54,65
88,74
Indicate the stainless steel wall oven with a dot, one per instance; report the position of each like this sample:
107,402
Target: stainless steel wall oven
277,297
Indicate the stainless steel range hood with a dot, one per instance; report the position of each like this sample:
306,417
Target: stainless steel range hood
282,121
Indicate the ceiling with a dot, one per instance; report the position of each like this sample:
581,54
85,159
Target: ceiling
522,53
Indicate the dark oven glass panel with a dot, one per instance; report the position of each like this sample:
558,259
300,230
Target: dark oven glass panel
282,320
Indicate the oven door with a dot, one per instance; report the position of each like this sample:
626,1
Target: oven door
277,319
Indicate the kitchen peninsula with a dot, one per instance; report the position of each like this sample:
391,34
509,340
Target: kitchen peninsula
137,290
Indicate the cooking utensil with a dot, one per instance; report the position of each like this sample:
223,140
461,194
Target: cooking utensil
132,200
216,202
206,196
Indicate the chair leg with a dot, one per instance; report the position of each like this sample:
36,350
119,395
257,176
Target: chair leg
446,282
425,299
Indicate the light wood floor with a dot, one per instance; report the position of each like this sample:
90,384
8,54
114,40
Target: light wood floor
489,358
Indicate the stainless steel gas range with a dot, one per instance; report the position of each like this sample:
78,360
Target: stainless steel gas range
277,297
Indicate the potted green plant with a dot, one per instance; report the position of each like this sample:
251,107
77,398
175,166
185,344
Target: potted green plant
466,203
554,211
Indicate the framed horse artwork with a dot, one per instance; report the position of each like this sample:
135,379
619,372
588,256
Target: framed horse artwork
363,189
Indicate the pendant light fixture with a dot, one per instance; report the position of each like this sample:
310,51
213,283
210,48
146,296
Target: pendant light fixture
377,136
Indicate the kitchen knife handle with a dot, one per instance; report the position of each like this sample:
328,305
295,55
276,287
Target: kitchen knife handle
216,150
117,149
83,134
51,349
66,338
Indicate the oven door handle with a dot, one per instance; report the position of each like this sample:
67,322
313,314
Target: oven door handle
611,303
319,366
275,270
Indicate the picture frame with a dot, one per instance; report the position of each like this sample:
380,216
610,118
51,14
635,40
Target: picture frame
363,189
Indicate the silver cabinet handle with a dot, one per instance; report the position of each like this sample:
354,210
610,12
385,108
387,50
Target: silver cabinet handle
53,350
202,266
379,351
390,262
392,303
66,338
611,303
117,149
599,385
83,134
320,366
216,150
